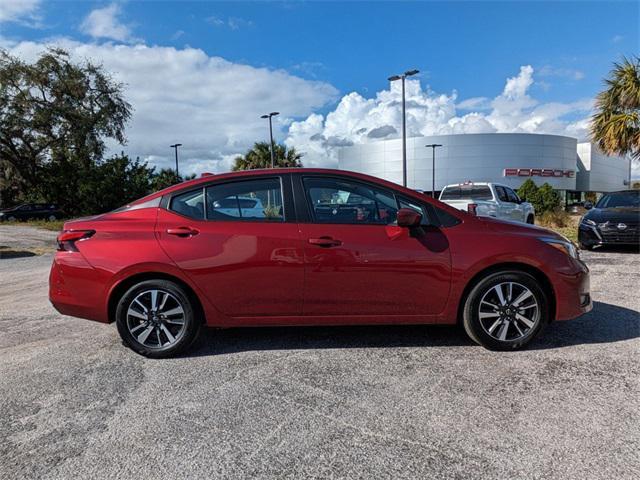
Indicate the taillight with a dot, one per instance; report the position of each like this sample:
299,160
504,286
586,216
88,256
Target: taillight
68,238
472,208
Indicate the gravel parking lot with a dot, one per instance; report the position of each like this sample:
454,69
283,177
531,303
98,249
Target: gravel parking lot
383,402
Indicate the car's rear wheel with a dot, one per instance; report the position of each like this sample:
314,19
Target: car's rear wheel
505,310
157,319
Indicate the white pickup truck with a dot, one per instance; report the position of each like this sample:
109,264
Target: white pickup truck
488,200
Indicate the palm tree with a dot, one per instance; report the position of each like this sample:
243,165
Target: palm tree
260,157
615,127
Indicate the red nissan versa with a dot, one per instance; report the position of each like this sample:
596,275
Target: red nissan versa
310,247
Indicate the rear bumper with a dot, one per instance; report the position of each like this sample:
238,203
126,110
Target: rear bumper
573,295
76,288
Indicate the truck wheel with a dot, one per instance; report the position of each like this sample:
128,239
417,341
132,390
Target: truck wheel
530,220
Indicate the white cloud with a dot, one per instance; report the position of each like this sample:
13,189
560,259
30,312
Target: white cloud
357,119
570,73
234,23
104,23
21,11
617,39
210,105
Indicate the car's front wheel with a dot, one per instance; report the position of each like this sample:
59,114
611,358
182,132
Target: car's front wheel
157,319
505,310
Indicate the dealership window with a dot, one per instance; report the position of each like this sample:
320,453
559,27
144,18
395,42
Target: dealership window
339,201
249,200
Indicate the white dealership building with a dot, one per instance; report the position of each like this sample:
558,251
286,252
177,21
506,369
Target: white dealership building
509,158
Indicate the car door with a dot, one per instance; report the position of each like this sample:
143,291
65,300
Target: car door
248,263
517,213
359,262
505,208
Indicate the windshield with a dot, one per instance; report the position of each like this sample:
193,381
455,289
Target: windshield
476,192
620,199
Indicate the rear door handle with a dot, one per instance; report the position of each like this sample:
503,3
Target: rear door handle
325,242
183,231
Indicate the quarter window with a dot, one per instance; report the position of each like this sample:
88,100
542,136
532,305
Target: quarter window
340,201
189,204
253,200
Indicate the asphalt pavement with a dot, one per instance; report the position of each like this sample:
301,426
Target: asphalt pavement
352,402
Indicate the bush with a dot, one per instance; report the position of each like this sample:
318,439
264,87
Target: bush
544,198
557,218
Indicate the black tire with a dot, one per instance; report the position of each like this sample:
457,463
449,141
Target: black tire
185,333
531,220
479,332
584,246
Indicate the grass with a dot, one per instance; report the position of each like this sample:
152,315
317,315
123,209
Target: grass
562,223
54,226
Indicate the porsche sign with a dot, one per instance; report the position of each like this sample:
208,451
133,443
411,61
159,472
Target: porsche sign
539,172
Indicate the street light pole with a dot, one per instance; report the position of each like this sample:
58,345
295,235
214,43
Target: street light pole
175,147
269,116
433,168
403,77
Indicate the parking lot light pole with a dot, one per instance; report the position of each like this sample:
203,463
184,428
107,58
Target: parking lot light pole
175,147
402,77
269,116
433,168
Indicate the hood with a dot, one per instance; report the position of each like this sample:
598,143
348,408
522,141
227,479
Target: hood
518,228
618,215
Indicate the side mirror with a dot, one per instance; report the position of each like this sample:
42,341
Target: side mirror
408,217
588,205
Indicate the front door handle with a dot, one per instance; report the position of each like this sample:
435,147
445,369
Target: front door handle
325,242
183,231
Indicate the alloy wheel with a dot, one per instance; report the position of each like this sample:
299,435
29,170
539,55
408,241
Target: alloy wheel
156,319
508,311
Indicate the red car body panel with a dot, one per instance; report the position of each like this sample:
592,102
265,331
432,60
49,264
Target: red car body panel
253,273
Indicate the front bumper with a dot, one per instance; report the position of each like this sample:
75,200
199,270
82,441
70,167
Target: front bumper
591,236
573,295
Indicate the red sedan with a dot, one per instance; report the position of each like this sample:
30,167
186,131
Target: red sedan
310,247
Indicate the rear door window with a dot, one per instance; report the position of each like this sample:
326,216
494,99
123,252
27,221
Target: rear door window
502,194
247,200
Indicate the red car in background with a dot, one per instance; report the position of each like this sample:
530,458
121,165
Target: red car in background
310,247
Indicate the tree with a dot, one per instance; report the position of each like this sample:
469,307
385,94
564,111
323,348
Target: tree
615,126
543,198
529,191
55,116
260,157
164,178
549,199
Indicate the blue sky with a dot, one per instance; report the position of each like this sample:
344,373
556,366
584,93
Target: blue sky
470,48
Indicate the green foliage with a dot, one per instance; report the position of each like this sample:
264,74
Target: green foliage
164,178
55,116
528,191
615,126
260,157
543,198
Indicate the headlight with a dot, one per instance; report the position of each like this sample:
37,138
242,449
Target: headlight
586,221
565,246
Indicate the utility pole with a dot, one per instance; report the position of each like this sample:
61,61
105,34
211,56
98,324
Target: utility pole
402,77
175,147
433,168
270,116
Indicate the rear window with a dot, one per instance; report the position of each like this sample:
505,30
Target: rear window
476,192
